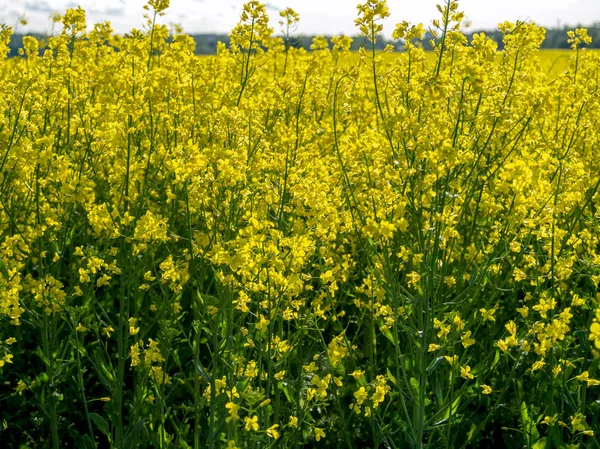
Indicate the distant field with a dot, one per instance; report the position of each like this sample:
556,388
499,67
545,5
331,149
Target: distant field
554,62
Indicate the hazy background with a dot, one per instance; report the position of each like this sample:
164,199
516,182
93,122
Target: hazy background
317,16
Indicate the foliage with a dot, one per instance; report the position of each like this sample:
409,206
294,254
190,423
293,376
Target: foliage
271,247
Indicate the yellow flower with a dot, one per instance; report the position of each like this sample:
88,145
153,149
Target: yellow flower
158,5
108,330
263,324
233,412
444,329
293,422
381,389
486,389
519,275
502,345
251,423
466,339
465,372
103,280
488,314
544,306
577,301
524,311
21,387
212,310
585,377
451,360
450,281
360,395
159,376
511,327
134,352
251,370
556,370
319,433
132,329
595,333
84,275
550,421
413,279
358,374
578,422
458,323
272,431
538,365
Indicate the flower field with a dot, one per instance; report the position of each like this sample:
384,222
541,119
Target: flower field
274,248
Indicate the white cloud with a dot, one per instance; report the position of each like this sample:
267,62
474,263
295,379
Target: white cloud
317,16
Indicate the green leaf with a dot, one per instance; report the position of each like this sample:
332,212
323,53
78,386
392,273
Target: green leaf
539,444
88,443
387,334
70,236
104,372
202,372
434,363
84,441
392,378
41,355
453,409
3,270
496,360
132,439
529,426
414,383
525,415
101,423
287,393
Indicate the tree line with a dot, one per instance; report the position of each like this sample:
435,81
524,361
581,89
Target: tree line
206,44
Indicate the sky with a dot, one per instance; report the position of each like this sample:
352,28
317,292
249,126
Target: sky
328,17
